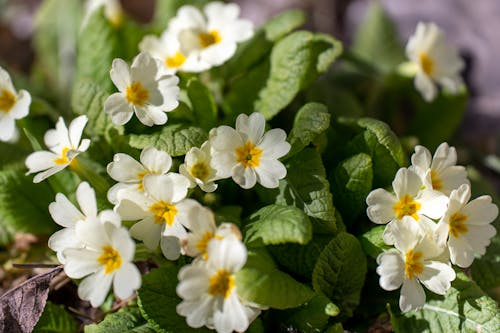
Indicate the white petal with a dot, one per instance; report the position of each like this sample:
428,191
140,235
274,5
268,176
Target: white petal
92,232
197,312
121,242
219,53
391,270
481,211
426,87
80,262
232,317
228,253
148,232
412,296
406,182
461,253
479,237
126,280
380,206
193,281
120,74
86,199
40,160
110,216
58,136
133,206
252,126
76,130
170,188
170,247
156,160
245,177
64,239
421,158
22,106
269,172
433,203
125,169
95,287
273,144
63,212
118,109
113,191
7,127
437,277
46,174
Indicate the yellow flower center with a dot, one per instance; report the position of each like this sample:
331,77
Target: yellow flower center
203,243
413,264
7,100
248,155
426,63
199,170
221,283
164,212
64,159
210,38
437,183
176,60
457,225
140,176
110,258
136,94
407,207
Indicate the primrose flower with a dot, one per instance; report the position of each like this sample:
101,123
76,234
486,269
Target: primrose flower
466,226
437,61
112,10
445,174
209,37
141,91
161,210
13,106
202,230
410,199
197,168
64,145
65,214
105,259
247,154
209,291
130,173
416,260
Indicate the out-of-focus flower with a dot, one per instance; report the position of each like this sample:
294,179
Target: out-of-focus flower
112,10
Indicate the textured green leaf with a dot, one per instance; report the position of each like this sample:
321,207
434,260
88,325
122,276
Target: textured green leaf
486,270
336,275
262,283
276,224
311,120
352,181
284,23
55,319
376,40
296,61
378,141
372,241
126,320
202,103
157,300
24,205
306,187
174,139
465,308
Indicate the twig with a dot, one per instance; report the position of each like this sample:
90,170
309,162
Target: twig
35,265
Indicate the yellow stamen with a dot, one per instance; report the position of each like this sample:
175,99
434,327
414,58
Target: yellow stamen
111,258
203,243
457,225
63,159
248,155
140,176
7,100
407,207
164,212
210,38
221,283
413,264
176,60
199,170
437,183
136,94
426,63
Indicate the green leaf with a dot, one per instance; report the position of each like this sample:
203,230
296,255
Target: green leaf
372,241
352,182
311,120
376,40
284,23
259,281
306,187
486,270
174,139
296,61
157,301
276,224
24,205
55,319
378,141
464,308
202,103
98,45
126,320
336,275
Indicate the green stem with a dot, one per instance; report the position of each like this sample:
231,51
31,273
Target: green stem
85,171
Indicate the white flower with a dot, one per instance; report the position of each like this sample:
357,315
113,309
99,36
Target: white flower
202,230
64,146
67,215
445,175
130,173
197,168
141,91
161,210
466,226
416,260
106,259
410,199
209,291
112,10
247,154
13,106
211,38
437,61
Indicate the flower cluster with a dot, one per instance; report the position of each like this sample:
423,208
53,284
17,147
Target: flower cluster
431,222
